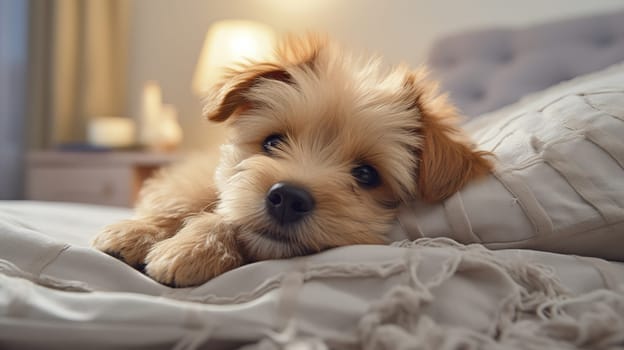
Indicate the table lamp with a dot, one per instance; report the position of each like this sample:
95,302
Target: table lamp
228,42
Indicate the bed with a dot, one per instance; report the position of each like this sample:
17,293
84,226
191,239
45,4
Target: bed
531,257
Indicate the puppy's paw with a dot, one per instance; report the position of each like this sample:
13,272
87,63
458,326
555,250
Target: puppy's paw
193,256
128,240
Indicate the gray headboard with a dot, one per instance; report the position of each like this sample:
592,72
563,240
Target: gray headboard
487,69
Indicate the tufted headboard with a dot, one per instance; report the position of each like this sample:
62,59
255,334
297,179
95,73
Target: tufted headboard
487,69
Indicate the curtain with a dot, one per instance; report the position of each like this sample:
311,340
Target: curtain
77,69
13,58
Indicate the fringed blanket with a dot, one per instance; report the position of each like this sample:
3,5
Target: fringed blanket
55,293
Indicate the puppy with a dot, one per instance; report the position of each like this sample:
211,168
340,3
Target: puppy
324,147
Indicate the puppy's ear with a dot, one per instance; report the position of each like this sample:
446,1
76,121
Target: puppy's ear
447,159
230,95
447,163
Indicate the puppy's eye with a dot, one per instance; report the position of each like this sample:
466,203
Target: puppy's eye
366,175
272,142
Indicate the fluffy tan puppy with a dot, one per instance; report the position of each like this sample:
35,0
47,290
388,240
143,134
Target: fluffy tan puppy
324,147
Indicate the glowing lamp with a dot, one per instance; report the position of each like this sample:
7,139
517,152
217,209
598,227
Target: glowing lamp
228,42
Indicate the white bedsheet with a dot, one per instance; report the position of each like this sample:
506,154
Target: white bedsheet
55,292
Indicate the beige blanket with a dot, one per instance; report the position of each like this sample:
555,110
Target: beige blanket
56,293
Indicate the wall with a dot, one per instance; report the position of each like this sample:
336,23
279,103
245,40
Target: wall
167,35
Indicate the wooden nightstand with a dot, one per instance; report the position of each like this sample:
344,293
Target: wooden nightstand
106,178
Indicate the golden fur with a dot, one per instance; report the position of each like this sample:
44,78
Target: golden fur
335,111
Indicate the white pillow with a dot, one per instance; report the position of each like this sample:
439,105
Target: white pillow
559,180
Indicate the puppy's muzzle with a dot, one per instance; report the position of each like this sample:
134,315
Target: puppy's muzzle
288,203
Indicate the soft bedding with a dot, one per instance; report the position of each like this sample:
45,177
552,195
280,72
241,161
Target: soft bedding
431,292
425,292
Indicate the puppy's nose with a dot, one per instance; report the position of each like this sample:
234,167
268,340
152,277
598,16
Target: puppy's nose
288,203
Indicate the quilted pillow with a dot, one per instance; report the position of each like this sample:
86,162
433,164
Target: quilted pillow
559,180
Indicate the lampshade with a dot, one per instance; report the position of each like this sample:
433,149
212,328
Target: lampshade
228,42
